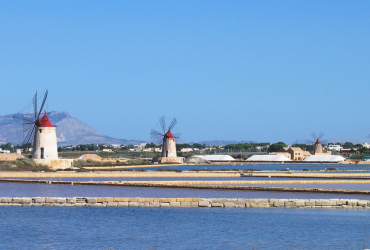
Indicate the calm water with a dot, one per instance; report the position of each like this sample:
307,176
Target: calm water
45,190
275,167
181,228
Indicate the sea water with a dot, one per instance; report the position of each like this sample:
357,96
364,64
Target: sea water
182,228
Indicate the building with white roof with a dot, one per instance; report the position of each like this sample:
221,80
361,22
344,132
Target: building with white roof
270,158
325,158
216,157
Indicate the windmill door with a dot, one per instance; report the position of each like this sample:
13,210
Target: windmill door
42,153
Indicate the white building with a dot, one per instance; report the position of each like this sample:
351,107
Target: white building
335,147
186,150
4,151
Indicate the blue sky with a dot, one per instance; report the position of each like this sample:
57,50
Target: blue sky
227,70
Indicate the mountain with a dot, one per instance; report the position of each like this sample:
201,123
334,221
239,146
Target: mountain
335,140
70,131
220,142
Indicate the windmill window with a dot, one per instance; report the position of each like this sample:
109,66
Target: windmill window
40,130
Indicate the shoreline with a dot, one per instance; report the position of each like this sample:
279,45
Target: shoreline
183,174
184,202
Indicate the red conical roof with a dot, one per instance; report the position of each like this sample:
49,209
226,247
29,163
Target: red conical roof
45,122
169,134
318,141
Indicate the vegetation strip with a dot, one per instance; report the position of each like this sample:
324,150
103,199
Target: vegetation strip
184,202
192,186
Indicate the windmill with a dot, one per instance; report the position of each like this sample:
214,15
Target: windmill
39,130
166,138
318,145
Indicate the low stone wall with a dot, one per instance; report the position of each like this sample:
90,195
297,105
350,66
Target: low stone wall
184,202
55,164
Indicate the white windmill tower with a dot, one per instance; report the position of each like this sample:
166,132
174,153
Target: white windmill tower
168,141
41,131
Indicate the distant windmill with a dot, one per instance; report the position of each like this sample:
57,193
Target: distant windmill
166,138
41,131
318,145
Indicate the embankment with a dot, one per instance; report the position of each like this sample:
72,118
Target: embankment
107,174
184,202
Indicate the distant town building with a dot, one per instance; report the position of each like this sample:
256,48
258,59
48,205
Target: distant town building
366,145
293,153
186,150
335,147
4,151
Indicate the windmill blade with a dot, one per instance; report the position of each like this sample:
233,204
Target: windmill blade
321,135
42,106
159,141
313,135
27,126
28,138
25,119
35,105
177,135
155,133
156,136
173,123
325,142
162,121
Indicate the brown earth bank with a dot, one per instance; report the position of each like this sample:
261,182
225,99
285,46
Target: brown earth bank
174,184
299,174
10,157
106,174
150,174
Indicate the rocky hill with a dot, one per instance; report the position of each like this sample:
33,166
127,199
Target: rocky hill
70,131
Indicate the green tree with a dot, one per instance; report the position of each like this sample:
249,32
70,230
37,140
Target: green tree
275,147
150,145
348,145
197,145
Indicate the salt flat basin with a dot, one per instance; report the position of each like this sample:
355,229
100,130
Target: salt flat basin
45,190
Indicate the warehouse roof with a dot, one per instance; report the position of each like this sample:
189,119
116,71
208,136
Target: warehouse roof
325,158
268,158
216,157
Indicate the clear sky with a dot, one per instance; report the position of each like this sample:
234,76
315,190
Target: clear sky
227,70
